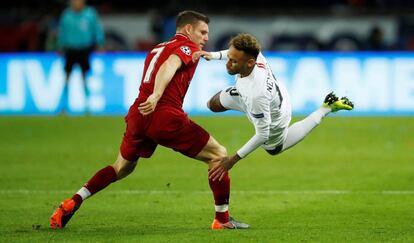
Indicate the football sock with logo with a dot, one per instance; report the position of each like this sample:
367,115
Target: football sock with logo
298,130
99,181
221,192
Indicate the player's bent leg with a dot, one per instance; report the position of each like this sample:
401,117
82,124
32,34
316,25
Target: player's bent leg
68,207
220,189
227,99
299,130
214,103
120,169
123,167
211,150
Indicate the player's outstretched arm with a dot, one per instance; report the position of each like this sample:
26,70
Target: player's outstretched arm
162,79
218,55
198,54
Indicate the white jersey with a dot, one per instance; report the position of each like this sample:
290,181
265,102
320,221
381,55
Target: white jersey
266,103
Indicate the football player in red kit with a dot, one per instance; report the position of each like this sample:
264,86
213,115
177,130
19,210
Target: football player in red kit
157,117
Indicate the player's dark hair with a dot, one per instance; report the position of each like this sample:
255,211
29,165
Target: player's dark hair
246,43
190,17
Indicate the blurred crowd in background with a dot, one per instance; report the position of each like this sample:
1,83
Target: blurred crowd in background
296,25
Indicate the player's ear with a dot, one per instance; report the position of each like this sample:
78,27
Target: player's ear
188,28
251,62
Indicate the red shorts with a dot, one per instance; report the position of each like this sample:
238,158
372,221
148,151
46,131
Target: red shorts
167,126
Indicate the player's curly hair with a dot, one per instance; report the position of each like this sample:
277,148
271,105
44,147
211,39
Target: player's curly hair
246,43
190,17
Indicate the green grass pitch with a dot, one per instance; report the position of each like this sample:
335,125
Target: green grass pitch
350,180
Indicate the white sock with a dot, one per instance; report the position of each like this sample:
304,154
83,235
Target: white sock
221,208
84,193
298,130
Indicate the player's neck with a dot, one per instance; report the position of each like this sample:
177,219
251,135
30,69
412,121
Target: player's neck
246,73
182,33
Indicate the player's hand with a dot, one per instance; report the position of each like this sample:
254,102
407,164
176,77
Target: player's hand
149,105
198,54
221,167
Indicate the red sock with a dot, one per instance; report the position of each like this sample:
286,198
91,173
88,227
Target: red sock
77,198
221,192
99,181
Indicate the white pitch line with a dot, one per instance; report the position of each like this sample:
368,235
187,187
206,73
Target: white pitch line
241,192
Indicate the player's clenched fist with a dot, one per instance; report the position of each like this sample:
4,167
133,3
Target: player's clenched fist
149,105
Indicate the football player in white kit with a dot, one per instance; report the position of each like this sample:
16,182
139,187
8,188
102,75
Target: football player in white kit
264,100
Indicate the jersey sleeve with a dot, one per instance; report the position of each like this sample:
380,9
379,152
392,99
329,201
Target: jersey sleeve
219,55
185,52
259,114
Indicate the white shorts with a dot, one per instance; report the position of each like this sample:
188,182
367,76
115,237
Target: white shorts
231,100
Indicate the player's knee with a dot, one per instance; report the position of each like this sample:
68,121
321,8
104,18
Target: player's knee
211,106
125,170
123,167
214,104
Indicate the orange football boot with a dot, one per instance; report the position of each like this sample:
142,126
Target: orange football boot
232,224
63,213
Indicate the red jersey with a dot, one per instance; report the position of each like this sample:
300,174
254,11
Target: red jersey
175,91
